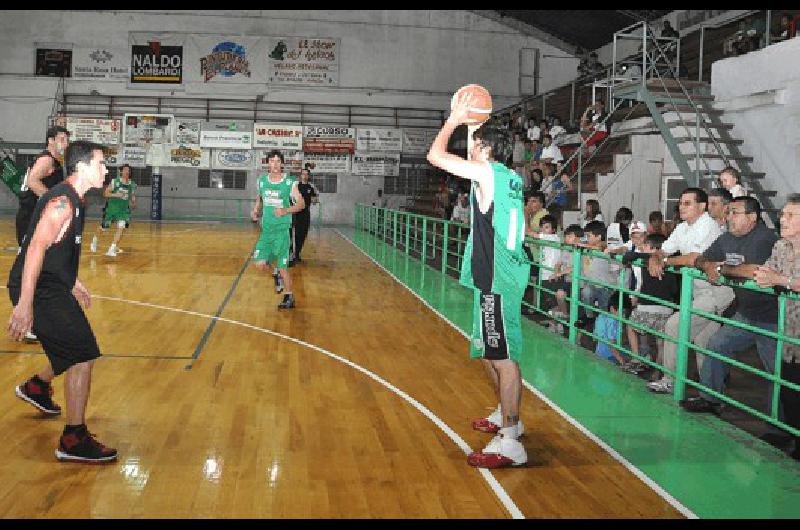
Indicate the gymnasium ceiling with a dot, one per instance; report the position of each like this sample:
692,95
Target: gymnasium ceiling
587,28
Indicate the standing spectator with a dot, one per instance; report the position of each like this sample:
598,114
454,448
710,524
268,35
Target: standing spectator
596,68
731,180
534,211
691,238
619,232
669,31
656,223
461,210
648,313
607,327
595,268
593,212
738,253
784,30
518,154
551,154
534,131
593,126
782,271
562,275
549,255
718,201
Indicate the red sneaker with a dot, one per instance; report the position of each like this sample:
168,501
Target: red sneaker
485,425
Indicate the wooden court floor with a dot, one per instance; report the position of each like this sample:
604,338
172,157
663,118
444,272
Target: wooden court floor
357,403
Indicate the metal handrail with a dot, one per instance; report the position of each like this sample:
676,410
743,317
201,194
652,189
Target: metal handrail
381,222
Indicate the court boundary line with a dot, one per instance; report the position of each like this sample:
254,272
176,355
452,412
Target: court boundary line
664,494
495,486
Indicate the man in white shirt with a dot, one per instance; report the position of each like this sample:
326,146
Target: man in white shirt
691,238
461,210
557,131
550,152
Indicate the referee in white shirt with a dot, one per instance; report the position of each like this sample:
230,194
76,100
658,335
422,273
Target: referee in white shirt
691,238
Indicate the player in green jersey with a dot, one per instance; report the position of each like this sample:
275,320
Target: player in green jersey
279,198
496,268
121,196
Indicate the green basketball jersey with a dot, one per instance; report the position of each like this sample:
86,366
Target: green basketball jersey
509,268
121,203
275,195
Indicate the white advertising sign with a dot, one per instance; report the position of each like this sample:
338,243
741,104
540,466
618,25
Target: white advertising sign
187,132
101,131
276,136
101,64
384,140
232,159
226,139
418,141
376,164
141,128
305,61
328,163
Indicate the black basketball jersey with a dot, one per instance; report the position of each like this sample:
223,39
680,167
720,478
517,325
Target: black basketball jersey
27,199
483,246
61,259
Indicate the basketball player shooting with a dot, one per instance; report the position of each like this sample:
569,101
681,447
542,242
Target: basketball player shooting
494,267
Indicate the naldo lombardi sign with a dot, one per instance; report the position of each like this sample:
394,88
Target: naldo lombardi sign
155,63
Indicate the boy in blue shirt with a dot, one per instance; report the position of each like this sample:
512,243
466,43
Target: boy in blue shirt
606,327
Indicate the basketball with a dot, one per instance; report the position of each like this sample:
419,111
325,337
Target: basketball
482,108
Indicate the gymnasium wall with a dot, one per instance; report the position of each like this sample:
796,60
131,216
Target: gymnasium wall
387,58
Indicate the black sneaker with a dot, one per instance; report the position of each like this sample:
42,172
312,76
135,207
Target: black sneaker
80,446
278,284
40,395
288,302
698,404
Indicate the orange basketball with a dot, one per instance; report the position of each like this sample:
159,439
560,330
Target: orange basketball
482,109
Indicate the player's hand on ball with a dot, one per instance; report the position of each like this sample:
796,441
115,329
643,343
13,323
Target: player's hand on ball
460,111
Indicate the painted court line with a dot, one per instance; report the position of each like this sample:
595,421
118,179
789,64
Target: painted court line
575,423
501,493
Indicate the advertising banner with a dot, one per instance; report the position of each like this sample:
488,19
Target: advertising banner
232,159
134,155
305,61
226,139
187,132
328,163
222,59
156,59
293,161
101,64
322,139
101,131
418,141
383,140
188,156
278,136
376,164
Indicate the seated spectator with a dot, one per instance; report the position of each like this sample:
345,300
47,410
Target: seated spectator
690,238
595,268
562,273
534,211
461,211
648,313
557,131
656,223
551,154
548,255
718,201
607,327
593,126
618,232
593,212
669,31
737,253
536,178
731,180
555,189
782,271
534,131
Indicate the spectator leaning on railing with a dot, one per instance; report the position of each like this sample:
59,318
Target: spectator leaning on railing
718,201
691,238
737,253
782,271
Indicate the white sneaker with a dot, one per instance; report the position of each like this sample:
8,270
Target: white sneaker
93,246
662,386
112,251
504,450
30,337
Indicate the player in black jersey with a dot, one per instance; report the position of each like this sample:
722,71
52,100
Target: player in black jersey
43,286
45,172
301,221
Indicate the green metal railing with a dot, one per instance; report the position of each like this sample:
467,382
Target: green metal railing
439,243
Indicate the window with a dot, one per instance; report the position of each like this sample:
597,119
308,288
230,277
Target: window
325,183
142,176
229,179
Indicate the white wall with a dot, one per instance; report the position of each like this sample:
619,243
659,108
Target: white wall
760,93
388,58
